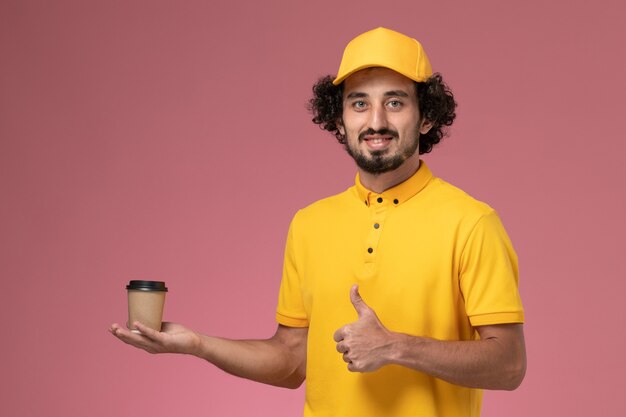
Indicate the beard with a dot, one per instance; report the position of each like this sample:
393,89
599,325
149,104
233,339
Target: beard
379,162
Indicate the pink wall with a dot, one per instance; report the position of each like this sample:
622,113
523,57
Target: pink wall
169,140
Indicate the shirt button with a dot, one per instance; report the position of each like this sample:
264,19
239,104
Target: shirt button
379,199
395,201
370,250
376,225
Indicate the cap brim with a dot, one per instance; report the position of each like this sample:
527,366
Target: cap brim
343,77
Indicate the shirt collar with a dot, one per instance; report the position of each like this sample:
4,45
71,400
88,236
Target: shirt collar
399,193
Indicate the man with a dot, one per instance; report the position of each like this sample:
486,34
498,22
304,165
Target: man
399,296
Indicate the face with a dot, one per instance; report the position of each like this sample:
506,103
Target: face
381,119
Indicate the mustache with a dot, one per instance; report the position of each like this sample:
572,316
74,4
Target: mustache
382,132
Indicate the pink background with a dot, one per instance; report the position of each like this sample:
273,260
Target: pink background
169,140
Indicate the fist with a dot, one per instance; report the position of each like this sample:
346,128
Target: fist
365,344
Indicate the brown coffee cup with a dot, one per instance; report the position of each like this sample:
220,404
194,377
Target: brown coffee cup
145,303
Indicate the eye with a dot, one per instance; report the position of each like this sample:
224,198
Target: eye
359,105
394,104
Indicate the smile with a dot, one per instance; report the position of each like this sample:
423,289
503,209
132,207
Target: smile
377,143
377,140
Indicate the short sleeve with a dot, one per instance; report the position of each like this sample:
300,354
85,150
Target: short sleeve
290,311
489,275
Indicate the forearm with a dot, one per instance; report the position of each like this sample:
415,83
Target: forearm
489,363
268,361
280,360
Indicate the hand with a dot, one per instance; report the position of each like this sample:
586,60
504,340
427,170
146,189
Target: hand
366,343
173,338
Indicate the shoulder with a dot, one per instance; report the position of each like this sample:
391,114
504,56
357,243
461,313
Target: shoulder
343,199
328,208
442,196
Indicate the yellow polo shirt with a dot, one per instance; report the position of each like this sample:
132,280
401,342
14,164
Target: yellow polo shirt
429,259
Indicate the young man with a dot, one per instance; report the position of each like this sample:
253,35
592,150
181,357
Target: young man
399,296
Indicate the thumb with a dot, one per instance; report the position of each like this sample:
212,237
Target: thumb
358,303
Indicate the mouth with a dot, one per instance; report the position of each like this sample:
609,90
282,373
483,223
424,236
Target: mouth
377,142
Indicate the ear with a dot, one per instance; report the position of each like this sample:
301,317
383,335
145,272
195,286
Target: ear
425,126
340,128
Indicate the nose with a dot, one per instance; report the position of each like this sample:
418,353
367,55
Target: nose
378,118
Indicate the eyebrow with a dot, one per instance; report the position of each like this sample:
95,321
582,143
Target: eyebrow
392,93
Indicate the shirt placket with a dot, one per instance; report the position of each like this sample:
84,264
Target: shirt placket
379,208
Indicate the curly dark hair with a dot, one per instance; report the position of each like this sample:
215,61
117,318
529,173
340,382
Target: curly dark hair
436,104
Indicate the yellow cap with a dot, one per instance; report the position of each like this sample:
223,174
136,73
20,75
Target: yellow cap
385,48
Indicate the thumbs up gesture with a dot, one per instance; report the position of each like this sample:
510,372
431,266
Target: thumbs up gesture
365,343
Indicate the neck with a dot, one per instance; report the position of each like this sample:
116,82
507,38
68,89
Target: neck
381,182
